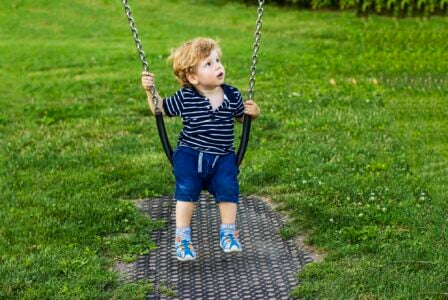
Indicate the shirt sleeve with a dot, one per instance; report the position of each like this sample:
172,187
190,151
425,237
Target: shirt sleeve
239,111
173,105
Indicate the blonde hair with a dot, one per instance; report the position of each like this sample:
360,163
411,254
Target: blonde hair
186,58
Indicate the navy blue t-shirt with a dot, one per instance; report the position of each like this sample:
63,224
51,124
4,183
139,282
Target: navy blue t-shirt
205,129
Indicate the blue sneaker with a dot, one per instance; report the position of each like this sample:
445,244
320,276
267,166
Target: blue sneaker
185,250
230,243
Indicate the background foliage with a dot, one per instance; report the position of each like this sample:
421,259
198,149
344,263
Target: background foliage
400,8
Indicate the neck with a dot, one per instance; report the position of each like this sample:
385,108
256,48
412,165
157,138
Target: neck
207,90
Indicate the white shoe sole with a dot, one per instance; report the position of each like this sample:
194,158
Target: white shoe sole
188,258
231,250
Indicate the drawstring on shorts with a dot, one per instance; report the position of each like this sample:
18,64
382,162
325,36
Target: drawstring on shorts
200,162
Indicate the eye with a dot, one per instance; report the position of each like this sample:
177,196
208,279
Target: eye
218,60
208,64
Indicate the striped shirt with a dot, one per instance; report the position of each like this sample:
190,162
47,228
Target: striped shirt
205,129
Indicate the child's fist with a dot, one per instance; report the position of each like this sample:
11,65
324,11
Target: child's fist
147,80
251,108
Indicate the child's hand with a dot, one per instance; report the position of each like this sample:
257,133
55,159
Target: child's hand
251,108
147,80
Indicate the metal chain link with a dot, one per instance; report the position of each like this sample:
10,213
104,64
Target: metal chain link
141,53
256,47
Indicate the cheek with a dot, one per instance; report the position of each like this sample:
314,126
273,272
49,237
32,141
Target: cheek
208,74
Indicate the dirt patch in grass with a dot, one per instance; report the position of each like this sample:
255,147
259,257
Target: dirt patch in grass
125,270
298,240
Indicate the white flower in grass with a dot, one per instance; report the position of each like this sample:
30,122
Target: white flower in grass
422,196
360,215
331,220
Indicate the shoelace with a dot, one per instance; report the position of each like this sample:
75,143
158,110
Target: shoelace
231,240
187,247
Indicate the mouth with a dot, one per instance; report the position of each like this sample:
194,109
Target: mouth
220,75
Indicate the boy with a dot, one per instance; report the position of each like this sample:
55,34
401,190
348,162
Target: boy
205,156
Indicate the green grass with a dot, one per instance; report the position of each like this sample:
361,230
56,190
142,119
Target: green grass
362,168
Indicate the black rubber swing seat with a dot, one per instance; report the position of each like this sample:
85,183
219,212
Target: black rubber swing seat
161,129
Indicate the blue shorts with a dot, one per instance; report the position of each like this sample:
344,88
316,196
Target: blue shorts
195,171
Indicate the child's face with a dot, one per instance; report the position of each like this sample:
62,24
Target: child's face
210,72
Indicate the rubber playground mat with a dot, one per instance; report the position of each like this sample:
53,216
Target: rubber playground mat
265,269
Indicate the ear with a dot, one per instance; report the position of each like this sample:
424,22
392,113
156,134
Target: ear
192,78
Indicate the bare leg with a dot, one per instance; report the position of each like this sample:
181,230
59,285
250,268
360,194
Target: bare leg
184,247
184,212
228,212
228,234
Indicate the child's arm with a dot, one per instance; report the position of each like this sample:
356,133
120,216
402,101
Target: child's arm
148,83
250,108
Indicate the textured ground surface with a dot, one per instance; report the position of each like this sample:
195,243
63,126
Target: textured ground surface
266,269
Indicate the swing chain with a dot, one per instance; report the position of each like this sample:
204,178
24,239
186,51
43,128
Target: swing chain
141,53
256,47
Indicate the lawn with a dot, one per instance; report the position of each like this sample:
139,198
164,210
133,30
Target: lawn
352,143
